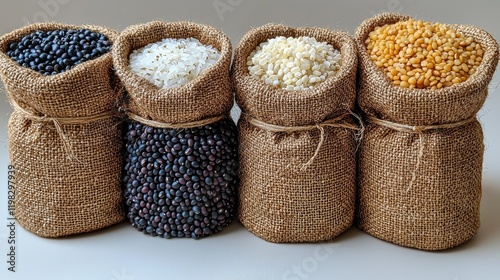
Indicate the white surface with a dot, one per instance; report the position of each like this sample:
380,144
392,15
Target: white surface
122,253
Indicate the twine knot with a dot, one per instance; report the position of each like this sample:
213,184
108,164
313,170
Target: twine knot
419,129
58,122
158,124
333,122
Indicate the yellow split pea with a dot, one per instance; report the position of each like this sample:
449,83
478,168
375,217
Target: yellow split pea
416,54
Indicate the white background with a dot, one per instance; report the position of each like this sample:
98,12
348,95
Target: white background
122,253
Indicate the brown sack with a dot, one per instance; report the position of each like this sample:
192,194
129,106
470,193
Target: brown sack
209,95
284,195
203,104
64,142
417,188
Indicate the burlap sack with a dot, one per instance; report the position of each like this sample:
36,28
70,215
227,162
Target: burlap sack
281,198
209,95
205,100
64,142
421,189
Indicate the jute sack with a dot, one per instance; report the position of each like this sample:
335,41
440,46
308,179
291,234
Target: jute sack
420,162
64,142
297,149
209,95
206,100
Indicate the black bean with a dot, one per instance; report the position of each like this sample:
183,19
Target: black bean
58,49
47,48
182,180
176,185
208,181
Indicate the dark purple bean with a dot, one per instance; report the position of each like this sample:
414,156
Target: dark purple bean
172,179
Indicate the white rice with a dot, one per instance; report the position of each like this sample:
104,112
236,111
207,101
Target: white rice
173,62
294,63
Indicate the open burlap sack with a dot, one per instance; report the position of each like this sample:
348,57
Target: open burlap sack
297,184
209,95
420,184
64,142
205,101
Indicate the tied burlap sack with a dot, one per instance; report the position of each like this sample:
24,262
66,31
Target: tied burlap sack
208,96
64,142
297,149
203,103
420,160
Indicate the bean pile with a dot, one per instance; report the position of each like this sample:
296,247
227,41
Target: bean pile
181,183
293,63
416,54
53,52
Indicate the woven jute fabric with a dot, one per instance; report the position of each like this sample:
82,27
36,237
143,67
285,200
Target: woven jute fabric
205,100
67,175
279,200
209,95
421,188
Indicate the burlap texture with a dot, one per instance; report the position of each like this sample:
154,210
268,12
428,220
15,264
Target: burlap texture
209,95
279,201
57,195
206,99
421,190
